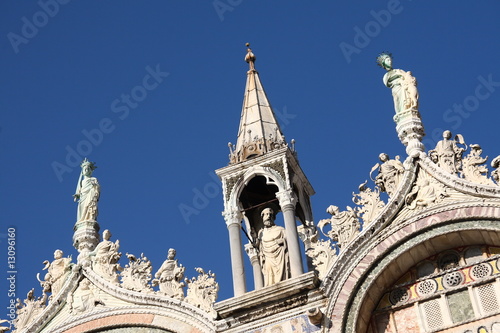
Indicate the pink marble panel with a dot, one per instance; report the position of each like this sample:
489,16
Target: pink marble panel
406,320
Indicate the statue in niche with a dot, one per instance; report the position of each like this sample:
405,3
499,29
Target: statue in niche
202,290
495,174
137,273
344,225
83,299
402,83
57,271
105,258
170,277
273,251
389,173
87,193
447,153
474,168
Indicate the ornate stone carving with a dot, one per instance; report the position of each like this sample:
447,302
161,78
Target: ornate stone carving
105,258
57,271
273,251
321,252
308,234
344,225
83,298
405,94
252,252
232,216
278,166
87,193
257,146
495,174
170,277
137,274
286,198
202,290
369,203
31,309
448,153
425,192
389,173
230,182
474,168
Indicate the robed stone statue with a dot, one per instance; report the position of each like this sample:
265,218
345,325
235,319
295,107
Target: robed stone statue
273,251
403,84
87,193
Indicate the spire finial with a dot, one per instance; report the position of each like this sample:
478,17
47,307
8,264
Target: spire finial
250,57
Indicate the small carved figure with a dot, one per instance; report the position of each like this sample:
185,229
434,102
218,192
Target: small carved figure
83,299
474,168
447,153
389,173
273,250
425,192
495,174
137,273
57,271
87,193
369,202
403,85
202,291
344,225
170,276
105,258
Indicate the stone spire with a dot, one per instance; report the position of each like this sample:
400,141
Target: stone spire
263,176
259,131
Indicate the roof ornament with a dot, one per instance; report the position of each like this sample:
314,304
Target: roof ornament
250,57
405,94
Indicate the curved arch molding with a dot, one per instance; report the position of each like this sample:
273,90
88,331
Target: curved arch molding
396,249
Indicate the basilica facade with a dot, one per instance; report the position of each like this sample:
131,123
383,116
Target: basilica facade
418,252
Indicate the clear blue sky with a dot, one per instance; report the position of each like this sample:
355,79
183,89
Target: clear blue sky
69,72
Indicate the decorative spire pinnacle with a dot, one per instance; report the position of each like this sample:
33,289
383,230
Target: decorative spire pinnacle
250,57
259,130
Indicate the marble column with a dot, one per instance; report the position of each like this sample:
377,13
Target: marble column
233,222
252,253
287,200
